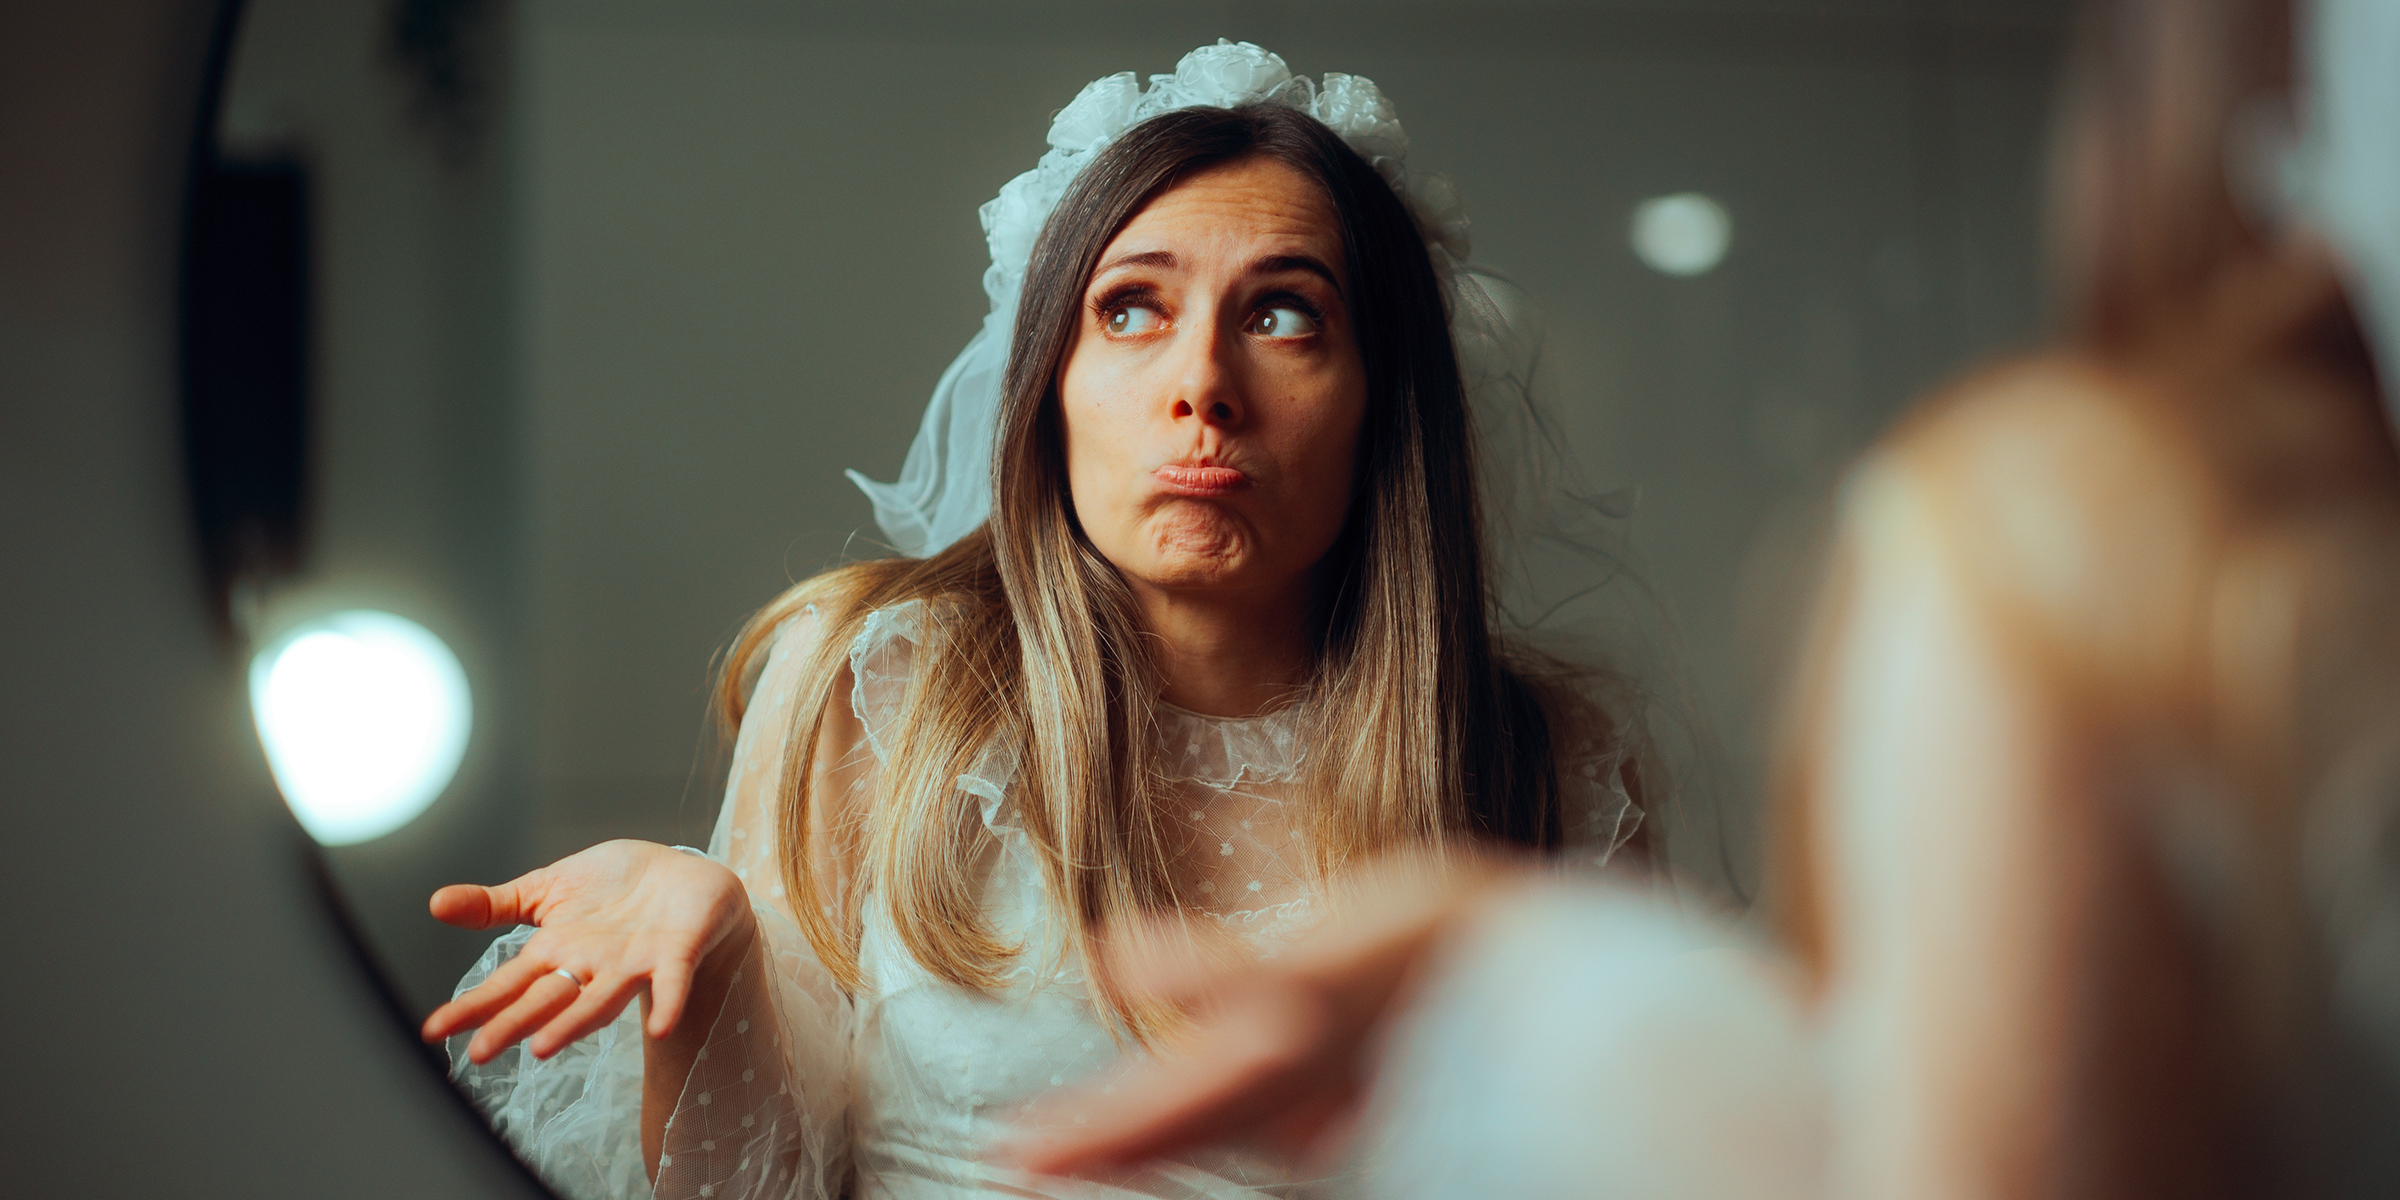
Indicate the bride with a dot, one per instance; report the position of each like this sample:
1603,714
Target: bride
1202,614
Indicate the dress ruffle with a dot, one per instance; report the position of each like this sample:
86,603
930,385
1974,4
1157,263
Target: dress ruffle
1224,752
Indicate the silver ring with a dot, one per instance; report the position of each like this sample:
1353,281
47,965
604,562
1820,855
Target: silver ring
569,976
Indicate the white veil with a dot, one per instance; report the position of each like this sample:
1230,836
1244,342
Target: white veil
944,490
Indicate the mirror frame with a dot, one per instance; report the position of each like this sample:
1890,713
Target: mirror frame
244,419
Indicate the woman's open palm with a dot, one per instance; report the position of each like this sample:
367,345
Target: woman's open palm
620,917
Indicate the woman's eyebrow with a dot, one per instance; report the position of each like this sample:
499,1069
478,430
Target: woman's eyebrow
1148,258
1276,263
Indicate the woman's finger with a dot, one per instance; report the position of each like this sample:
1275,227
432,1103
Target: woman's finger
466,905
540,1002
507,982
478,1004
594,1007
474,906
1158,1110
1243,1077
1172,959
670,988
453,1018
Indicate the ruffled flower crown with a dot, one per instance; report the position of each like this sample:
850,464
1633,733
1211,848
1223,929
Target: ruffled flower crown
944,490
1226,75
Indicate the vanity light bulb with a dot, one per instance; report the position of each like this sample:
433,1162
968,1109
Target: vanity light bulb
364,718
1683,234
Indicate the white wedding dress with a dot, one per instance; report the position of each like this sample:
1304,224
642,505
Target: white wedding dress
899,1091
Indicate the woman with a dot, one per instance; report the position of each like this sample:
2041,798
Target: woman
1226,629
2086,834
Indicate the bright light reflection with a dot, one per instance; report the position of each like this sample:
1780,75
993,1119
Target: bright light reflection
1683,234
364,718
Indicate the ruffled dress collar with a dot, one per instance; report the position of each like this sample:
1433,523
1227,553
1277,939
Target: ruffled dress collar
1223,752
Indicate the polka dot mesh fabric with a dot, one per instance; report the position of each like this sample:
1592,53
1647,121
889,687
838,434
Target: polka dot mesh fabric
805,1092
1242,851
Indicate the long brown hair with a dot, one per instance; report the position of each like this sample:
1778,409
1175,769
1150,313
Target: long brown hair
2148,207
1422,727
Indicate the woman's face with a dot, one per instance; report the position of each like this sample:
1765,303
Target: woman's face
1214,391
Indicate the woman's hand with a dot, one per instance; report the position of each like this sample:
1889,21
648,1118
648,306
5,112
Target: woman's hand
1280,1052
621,916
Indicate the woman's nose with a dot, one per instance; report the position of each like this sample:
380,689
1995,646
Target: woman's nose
1207,388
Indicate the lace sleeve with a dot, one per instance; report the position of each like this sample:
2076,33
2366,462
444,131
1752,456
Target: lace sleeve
763,1113
575,1117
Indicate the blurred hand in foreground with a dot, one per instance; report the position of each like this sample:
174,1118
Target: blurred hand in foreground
1279,1051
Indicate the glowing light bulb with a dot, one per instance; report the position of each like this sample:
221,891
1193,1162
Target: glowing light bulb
1683,234
364,717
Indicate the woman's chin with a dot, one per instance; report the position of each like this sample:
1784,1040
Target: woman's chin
1198,548
1186,570
1197,537
1186,558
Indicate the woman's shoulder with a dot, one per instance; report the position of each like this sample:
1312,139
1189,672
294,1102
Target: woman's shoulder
2067,425
2141,447
857,604
2056,502
2100,507
2050,484
862,642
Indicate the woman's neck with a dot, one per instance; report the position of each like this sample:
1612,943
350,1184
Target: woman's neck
1229,654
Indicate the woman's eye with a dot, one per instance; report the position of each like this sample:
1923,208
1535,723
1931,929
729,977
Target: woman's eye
1282,322
1133,318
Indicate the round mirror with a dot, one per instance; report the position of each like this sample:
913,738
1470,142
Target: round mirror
552,326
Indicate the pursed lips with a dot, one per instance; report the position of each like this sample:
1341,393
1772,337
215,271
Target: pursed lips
1185,480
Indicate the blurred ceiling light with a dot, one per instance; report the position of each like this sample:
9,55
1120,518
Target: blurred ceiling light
364,718
1683,234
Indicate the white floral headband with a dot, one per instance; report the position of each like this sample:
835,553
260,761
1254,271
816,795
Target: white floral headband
944,490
